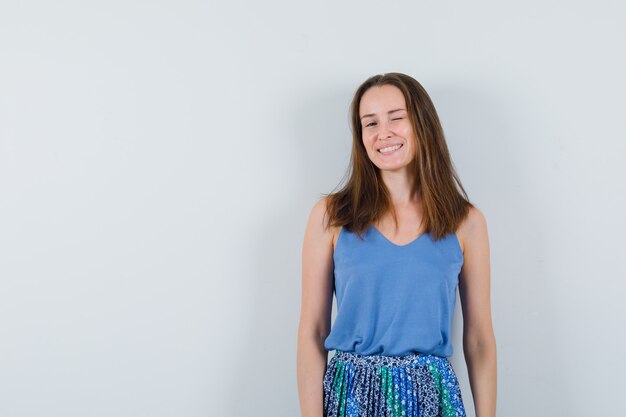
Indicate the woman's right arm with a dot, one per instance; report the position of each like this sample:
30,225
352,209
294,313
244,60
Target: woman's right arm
315,312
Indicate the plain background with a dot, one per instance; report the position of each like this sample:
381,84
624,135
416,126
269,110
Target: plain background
158,162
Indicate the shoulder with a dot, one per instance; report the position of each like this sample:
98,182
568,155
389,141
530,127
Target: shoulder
472,229
318,244
317,226
318,214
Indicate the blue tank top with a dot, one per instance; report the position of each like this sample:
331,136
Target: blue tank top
394,300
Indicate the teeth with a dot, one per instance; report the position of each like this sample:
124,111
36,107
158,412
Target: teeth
389,148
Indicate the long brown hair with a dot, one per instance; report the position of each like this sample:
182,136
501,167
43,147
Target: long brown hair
365,198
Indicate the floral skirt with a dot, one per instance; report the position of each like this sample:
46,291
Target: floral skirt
416,385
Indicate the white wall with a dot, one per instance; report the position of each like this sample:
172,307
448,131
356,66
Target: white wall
158,161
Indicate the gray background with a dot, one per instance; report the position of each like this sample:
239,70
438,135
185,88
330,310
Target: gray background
158,161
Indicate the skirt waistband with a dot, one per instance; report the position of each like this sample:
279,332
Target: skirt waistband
414,359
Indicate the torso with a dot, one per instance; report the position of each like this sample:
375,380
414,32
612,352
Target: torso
336,231
403,237
425,274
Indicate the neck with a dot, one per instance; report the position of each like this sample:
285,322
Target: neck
400,186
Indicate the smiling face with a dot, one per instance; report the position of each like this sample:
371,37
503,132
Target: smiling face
387,132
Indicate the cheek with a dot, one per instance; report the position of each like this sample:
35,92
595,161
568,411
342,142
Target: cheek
368,143
412,150
367,139
407,130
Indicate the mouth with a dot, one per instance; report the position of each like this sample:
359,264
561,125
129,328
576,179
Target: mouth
390,149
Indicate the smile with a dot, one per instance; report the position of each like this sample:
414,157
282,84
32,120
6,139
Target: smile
390,149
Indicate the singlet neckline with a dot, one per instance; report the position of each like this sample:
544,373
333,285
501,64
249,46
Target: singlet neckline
394,244
382,237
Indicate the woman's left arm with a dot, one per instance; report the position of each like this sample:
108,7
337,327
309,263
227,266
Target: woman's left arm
479,343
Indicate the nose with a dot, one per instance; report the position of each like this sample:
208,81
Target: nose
384,132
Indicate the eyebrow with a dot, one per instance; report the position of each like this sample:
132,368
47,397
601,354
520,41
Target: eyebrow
373,114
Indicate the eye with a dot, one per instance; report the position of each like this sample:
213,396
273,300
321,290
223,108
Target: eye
398,118
369,124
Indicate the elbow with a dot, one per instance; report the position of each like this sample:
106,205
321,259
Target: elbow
313,334
479,344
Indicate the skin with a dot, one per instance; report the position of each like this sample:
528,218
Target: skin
381,129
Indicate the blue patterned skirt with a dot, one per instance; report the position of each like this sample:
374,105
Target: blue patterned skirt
416,385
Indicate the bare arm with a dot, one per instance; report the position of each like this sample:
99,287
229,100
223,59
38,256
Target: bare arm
315,312
479,344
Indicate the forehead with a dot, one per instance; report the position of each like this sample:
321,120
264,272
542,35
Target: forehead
381,99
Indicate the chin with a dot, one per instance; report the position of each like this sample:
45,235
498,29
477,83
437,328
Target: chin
396,167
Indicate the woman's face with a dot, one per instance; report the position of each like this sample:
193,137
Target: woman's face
387,132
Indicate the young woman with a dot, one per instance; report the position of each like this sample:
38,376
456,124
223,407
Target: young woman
393,245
